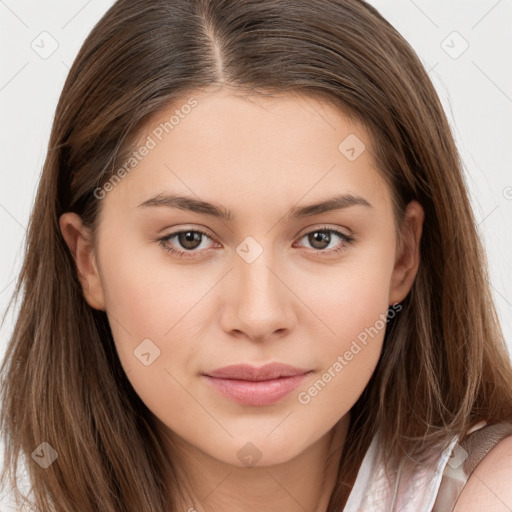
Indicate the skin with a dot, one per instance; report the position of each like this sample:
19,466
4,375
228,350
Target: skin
258,157
488,487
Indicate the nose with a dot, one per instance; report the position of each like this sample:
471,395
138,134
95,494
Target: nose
259,303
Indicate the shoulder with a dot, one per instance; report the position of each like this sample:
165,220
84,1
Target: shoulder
489,485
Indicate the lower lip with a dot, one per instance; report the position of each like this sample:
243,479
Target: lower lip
256,393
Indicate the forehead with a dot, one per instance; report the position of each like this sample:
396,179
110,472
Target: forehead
240,149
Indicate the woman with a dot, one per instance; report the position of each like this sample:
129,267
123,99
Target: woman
253,279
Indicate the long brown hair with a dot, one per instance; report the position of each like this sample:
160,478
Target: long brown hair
443,366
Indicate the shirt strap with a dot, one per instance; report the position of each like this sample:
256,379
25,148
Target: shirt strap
464,458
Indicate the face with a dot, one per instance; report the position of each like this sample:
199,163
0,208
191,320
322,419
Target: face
255,276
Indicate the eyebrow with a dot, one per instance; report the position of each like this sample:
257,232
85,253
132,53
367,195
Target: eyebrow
180,202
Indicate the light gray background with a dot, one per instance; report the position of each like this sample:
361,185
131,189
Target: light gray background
475,87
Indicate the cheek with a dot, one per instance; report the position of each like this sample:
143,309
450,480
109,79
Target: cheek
144,288
149,299
352,304
351,297
347,366
154,325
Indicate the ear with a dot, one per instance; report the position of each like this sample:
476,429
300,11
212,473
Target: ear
78,239
407,259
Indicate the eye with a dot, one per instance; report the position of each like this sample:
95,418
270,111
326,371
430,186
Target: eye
321,239
188,239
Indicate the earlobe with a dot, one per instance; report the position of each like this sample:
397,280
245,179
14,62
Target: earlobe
78,240
408,254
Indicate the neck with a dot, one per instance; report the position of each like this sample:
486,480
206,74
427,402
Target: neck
305,482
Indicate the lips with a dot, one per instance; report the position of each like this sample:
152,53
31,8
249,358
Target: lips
247,372
252,386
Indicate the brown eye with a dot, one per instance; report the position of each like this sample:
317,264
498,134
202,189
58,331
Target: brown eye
319,239
189,239
185,243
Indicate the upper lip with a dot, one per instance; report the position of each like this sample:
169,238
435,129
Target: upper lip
252,373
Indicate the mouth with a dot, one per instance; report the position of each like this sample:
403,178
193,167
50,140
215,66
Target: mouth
251,386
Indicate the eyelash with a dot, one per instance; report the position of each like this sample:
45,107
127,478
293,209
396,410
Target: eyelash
191,254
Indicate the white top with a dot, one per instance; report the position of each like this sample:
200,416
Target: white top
415,491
